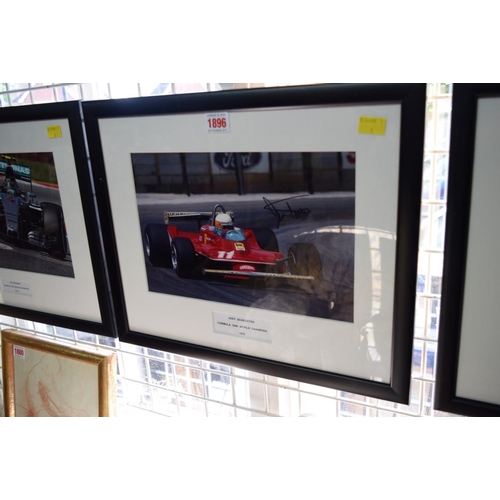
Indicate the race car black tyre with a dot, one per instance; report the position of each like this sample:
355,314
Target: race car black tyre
53,225
23,225
158,245
183,257
266,239
305,260
3,223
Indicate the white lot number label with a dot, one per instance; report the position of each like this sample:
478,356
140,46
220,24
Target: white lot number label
16,287
19,351
217,122
239,326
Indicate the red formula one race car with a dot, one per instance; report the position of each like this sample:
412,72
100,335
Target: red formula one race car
220,249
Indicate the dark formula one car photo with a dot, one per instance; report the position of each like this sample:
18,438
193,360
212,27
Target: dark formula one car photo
25,221
218,249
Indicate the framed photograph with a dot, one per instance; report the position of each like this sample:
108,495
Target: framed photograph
43,378
271,229
467,369
52,267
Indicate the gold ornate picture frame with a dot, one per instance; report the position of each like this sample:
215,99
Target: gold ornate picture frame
44,378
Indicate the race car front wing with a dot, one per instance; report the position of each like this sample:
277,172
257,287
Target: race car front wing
257,274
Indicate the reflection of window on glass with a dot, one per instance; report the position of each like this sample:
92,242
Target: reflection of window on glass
443,124
424,225
434,313
436,285
421,283
429,113
440,184
418,347
439,215
420,316
444,88
426,178
437,164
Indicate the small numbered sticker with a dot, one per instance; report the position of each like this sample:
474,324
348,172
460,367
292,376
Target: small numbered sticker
372,125
54,131
19,351
217,122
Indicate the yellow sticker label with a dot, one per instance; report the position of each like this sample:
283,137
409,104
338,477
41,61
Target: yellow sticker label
54,131
239,246
372,125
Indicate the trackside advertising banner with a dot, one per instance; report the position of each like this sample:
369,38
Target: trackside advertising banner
20,171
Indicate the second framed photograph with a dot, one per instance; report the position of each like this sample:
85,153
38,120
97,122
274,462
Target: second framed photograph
271,229
467,365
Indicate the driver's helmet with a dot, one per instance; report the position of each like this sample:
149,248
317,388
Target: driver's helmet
224,221
9,172
10,178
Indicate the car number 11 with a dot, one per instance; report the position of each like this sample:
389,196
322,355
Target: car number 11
225,255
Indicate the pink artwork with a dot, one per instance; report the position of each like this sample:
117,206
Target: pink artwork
44,394
45,379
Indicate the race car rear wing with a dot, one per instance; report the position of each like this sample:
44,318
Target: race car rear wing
187,216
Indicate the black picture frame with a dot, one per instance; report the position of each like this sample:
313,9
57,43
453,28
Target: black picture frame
467,162
407,99
62,121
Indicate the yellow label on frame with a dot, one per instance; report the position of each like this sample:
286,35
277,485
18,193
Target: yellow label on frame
54,131
372,125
